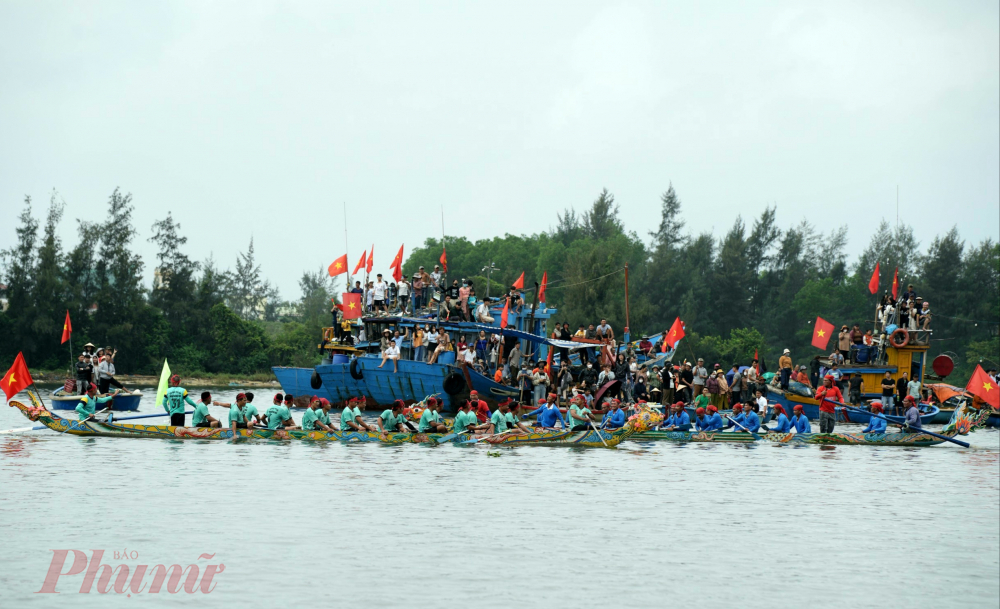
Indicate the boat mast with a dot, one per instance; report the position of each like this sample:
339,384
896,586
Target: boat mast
626,302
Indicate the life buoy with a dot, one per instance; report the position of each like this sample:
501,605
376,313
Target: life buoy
315,381
453,384
355,370
899,337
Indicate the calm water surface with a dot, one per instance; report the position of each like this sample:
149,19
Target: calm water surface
645,525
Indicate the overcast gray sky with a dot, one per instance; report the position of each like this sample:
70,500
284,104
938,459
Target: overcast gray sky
262,118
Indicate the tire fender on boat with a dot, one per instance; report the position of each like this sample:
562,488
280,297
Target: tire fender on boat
453,384
899,337
315,381
355,370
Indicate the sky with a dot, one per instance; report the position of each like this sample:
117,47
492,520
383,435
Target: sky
263,119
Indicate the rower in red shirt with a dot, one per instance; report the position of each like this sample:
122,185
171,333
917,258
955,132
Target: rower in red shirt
827,409
480,407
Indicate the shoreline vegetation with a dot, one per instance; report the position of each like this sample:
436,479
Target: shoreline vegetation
758,285
56,378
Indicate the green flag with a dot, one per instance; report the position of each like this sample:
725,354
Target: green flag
161,389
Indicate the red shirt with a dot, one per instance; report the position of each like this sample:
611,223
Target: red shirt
829,392
482,411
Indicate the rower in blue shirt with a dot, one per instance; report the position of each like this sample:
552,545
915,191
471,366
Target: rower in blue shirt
700,420
799,420
737,416
714,419
875,424
548,413
781,422
751,422
680,420
614,419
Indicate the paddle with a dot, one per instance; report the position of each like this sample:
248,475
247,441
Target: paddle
755,436
142,416
921,430
447,437
598,433
475,440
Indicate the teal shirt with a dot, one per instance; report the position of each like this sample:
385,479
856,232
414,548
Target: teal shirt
200,414
349,416
499,421
429,416
277,415
512,420
323,417
84,409
236,415
174,398
309,419
390,421
583,412
249,412
463,420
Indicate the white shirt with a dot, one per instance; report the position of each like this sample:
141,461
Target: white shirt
483,310
379,290
469,356
436,277
762,404
105,370
404,289
432,337
392,350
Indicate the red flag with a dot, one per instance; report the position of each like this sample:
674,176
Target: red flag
519,284
338,266
506,310
984,386
67,329
444,259
371,260
541,289
758,360
676,333
822,333
352,305
361,263
895,284
17,378
873,283
397,265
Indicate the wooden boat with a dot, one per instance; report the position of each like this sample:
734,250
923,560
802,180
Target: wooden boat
61,400
928,412
37,412
838,438
695,436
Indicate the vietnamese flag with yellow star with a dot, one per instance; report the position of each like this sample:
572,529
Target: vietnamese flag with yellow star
984,386
67,329
17,378
822,333
675,333
338,267
351,305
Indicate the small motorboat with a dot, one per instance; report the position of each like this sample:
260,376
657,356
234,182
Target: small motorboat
63,400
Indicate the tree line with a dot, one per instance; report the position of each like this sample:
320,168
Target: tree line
758,287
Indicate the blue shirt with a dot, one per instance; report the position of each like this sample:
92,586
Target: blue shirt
681,420
549,417
714,422
701,423
614,419
740,418
912,418
752,422
801,423
875,425
782,424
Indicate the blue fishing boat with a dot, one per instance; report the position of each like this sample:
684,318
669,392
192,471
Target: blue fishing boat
61,400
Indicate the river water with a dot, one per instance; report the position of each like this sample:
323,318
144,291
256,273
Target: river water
643,525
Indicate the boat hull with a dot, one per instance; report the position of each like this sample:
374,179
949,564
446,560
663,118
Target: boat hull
695,436
297,381
870,439
123,402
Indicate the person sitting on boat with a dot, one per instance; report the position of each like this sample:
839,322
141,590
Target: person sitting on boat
781,422
799,422
614,418
174,399
514,416
250,414
465,420
679,420
713,417
89,403
201,418
579,415
912,415
737,417
391,352
430,420
350,418
392,419
700,420
504,421
237,413
279,416
548,413
479,407
312,418
751,420
875,424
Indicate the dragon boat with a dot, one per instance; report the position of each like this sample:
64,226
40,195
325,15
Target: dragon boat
592,438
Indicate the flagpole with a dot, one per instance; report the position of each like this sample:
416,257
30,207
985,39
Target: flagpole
347,251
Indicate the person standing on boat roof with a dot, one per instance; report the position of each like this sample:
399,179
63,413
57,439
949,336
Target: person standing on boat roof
436,276
174,399
827,409
799,421
403,301
84,370
89,403
201,418
379,289
785,367
888,391
875,424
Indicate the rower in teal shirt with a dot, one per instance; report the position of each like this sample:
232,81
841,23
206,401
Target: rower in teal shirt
88,403
277,417
174,399
430,420
201,418
392,419
875,424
